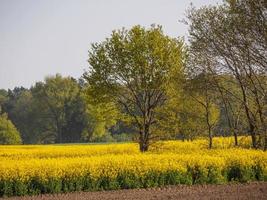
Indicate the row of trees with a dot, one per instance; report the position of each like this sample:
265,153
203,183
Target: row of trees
156,80
150,86
229,46
57,111
51,111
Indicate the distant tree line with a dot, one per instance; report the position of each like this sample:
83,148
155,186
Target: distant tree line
143,85
55,111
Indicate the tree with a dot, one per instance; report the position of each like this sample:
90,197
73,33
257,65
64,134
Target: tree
231,108
232,38
202,92
8,132
62,109
132,68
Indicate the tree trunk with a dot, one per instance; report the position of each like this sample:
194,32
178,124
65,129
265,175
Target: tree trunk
249,117
235,136
59,136
265,141
209,126
230,124
143,141
254,139
143,147
143,144
210,138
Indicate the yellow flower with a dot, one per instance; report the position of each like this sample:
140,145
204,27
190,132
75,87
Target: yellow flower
24,162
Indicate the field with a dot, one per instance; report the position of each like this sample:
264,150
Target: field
37,169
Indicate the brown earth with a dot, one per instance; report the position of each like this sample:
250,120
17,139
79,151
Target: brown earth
255,190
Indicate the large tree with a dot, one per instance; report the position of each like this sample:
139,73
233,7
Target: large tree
132,68
62,109
231,39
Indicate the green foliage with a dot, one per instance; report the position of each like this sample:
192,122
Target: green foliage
3,97
182,118
217,49
102,115
8,132
60,102
21,110
132,69
24,112
51,111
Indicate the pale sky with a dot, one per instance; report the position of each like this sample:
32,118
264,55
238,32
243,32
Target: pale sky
45,37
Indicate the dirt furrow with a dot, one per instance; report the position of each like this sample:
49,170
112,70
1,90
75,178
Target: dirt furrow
255,190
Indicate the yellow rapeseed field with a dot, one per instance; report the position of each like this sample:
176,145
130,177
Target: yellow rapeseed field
43,163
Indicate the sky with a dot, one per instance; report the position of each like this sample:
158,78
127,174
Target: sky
39,38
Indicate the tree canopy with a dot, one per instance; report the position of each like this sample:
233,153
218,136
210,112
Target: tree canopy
133,68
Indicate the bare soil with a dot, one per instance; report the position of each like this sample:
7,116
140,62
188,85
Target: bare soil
255,190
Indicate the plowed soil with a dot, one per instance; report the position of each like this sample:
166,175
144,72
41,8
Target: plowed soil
256,190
